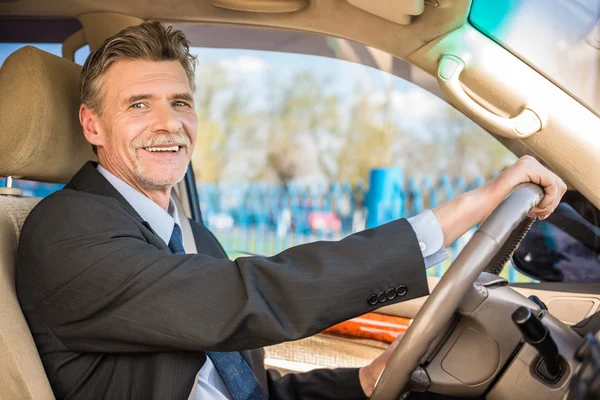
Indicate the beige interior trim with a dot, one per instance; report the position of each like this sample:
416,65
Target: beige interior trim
181,192
262,6
523,125
22,374
568,142
330,17
72,44
384,61
569,308
399,12
99,26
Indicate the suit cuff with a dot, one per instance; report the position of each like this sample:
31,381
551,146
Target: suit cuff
430,236
349,380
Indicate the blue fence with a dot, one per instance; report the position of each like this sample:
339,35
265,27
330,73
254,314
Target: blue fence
264,219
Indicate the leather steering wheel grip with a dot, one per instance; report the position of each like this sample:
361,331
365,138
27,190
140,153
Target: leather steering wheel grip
443,302
509,248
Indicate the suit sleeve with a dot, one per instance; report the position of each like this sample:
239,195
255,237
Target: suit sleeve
100,286
319,384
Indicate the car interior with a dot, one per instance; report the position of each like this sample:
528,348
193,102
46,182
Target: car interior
476,335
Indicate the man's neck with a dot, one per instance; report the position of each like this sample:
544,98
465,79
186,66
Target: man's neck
160,196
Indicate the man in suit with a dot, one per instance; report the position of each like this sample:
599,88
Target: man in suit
121,309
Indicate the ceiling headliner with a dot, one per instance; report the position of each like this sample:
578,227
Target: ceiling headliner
332,17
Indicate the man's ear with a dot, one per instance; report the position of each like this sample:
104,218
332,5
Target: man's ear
90,122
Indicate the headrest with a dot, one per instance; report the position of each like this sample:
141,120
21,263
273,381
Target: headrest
41,138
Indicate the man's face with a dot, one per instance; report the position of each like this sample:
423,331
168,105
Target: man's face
148,124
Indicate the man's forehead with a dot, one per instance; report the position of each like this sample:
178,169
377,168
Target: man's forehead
132,75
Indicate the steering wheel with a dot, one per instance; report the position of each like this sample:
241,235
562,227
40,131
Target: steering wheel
438,310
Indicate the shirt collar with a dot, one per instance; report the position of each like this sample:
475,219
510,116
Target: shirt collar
161,221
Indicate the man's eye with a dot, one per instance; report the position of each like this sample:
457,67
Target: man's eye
139,105
181,104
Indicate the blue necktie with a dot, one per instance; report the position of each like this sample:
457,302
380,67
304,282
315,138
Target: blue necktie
233,369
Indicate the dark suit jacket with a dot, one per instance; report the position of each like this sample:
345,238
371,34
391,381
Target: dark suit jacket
115,315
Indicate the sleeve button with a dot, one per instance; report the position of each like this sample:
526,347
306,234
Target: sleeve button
401,290
372,299
391,294
382,297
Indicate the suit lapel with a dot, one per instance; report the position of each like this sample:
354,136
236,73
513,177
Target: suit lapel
89,180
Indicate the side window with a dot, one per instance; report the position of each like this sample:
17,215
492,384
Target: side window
7,49
566,246
36,189
296,147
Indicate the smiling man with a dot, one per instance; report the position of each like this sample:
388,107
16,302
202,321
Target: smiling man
121,309
144,97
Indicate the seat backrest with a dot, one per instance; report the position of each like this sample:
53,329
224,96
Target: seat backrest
21,373
42,140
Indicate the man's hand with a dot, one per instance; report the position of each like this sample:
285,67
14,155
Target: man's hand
368,375
469,209
528,169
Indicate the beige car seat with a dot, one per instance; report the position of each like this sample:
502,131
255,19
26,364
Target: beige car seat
40,139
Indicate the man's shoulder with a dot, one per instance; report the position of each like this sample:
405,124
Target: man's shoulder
68,200
69,209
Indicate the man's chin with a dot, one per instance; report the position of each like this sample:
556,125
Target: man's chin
159,182
159,177
158,185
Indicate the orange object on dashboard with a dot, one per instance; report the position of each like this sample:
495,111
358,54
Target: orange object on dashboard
374,326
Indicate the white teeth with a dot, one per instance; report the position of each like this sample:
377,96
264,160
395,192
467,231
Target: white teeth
155,149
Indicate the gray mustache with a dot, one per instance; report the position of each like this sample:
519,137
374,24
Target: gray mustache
179,138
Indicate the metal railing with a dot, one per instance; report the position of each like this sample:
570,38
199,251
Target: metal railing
264,219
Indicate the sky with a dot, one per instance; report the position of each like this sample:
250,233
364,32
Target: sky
410,103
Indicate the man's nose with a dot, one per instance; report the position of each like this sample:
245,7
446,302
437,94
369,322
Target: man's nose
165,120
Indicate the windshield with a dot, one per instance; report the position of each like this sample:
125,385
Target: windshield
559,38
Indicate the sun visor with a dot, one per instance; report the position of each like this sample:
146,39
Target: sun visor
400,12
262,6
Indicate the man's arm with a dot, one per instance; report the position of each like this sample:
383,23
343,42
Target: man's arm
438,229
469,209
89,272
319,384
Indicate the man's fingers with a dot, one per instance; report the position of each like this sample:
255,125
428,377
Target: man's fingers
554,188
551,195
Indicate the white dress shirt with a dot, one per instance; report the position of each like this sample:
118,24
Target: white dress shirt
210,385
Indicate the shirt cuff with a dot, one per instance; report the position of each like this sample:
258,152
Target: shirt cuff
430,236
